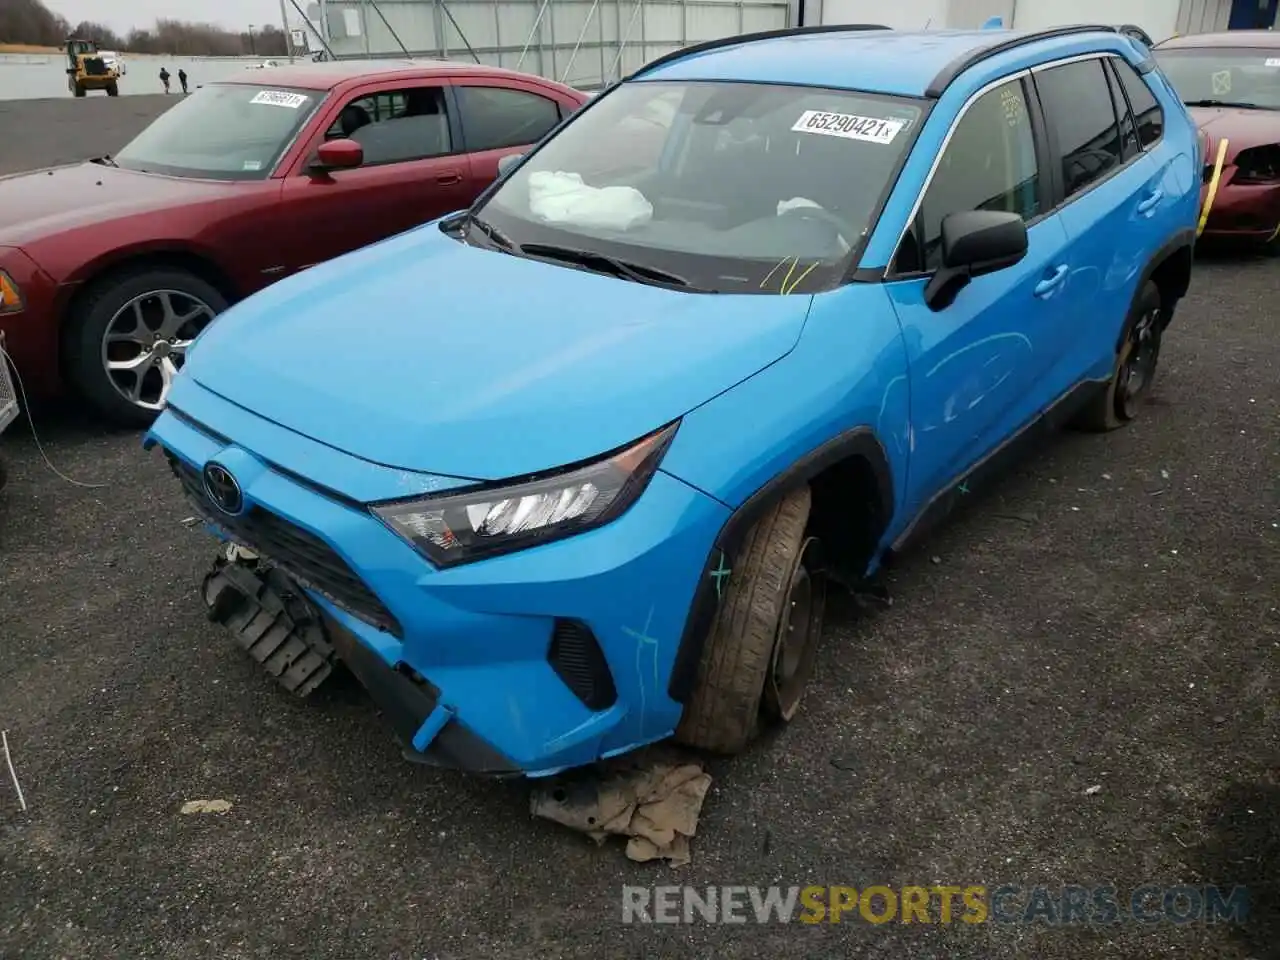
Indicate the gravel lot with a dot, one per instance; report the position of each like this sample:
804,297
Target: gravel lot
1106,617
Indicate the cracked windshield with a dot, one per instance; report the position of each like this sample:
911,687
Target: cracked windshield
724,187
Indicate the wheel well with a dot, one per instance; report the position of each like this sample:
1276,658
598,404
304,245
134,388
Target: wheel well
192,263
1172,278
849,514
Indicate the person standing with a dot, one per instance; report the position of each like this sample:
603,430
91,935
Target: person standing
182,79
164,78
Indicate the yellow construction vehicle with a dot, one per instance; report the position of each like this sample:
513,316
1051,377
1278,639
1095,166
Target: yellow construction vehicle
89,71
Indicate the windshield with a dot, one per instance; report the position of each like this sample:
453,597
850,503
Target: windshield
1238,77
222,132
729,187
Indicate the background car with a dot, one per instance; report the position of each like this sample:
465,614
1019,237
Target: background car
1231,84
119,263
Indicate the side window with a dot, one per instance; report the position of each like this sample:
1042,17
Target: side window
989,164
494,117
1129,147
1079,111
396,126
1146,108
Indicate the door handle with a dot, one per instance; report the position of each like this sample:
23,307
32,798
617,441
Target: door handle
1148,206
447,178
1051,283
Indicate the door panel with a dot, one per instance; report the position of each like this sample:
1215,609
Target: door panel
413,173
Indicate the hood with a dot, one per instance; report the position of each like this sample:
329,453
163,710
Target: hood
1243,128
45,202
425,354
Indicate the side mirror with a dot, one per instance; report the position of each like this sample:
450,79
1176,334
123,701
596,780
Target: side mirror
974,243
507,162
338,155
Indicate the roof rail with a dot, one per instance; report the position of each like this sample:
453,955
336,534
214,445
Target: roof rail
751,37
947,75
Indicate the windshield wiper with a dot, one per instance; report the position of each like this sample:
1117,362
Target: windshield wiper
499,238
1227,103
603,262
105,160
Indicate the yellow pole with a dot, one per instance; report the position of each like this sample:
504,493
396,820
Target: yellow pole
1213,185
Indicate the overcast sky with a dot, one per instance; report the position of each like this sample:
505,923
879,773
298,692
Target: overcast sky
122,15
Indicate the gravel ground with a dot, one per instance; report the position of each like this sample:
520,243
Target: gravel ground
1106,617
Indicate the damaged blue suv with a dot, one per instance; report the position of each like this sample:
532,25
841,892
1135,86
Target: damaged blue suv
569,472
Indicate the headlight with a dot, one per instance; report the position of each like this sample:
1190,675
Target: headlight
10,295
485,521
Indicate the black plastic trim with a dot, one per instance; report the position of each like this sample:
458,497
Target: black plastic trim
578,660
859,441
1184,239
948,74
406,702
733,41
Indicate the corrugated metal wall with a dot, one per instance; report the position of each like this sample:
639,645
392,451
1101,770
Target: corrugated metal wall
1203,16
585,43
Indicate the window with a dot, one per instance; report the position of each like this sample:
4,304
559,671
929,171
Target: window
1079,111
1129,147
989,164
1146,109
494,117
397,125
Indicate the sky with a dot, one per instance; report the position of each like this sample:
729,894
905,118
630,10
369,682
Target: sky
123,15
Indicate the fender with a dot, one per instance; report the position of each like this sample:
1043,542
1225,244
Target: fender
856,442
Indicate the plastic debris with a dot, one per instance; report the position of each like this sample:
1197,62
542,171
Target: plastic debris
1095,789
206,806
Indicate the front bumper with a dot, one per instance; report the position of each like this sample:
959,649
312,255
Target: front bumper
504,657
1242,211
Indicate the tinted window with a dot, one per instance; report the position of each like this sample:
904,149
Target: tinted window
1078,109
495,117
989,164
396,126
1146,109
1128,135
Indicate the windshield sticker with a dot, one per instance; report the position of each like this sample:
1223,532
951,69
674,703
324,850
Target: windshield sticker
1272,62
1221,81
848,125
280,98
252,165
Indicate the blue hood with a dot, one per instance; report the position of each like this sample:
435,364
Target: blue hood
425,354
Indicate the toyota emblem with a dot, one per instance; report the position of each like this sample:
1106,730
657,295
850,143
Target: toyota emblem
223,489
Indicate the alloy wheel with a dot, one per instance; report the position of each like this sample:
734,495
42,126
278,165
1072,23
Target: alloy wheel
1138,369
146,344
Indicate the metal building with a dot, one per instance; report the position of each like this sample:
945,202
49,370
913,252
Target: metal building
585,43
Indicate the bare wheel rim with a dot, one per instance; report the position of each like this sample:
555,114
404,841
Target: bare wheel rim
146,343
1139,367
796,643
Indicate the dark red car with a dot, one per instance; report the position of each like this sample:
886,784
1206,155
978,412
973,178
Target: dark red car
108,269
1231,84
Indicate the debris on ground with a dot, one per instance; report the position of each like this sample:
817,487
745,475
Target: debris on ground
206,806
13,774
655,805
1096,788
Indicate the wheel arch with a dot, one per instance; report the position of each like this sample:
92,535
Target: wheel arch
1170,270
851,469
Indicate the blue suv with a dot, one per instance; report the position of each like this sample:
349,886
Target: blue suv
569,472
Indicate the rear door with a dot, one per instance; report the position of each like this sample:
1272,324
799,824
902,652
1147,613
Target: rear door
414,170
499,116
1110,200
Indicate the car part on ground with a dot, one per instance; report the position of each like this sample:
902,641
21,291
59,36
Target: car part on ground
128,336
586,497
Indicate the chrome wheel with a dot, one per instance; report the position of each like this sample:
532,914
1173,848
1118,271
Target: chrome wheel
146,343
1138,366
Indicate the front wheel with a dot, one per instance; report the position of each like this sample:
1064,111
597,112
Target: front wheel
1135,366
113,90
763,642
128,338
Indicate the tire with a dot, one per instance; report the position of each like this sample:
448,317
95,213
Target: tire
76,89
113,90
723,712
1138,356
84,349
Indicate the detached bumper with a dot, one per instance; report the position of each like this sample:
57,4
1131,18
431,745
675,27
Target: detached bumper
532,662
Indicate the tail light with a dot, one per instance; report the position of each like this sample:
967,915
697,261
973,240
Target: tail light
1258,165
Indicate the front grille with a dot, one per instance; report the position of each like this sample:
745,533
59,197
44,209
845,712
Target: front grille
306,557
576,657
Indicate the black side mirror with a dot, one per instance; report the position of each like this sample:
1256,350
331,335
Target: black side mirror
974,243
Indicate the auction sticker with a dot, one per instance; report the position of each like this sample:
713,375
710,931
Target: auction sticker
849,126
281,98
1272,62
